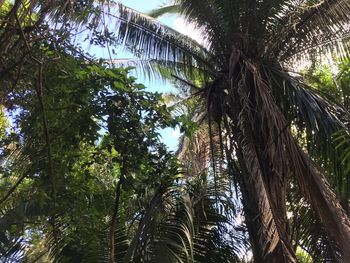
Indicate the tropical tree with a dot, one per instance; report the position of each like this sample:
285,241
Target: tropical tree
260,106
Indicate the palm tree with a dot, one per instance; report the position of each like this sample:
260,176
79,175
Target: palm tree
259,107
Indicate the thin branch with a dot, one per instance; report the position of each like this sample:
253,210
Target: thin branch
187,83
46,129
114,222
209,101
39,90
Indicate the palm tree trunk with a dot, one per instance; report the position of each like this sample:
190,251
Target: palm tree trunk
254,225
262,182
265,211
268,154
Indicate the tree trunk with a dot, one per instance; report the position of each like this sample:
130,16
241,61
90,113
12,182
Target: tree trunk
112,253
262,247
266,152
263,180
253,222
257,193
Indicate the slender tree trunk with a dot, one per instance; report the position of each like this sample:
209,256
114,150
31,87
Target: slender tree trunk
114,223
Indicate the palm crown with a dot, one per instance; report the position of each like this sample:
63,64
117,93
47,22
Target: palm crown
253,101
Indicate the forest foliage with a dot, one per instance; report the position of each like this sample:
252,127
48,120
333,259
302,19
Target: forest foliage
83,168
85,175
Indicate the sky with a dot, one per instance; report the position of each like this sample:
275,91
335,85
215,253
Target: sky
143,5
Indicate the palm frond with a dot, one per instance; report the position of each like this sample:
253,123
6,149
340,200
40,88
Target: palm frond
320,24
316,190
304,105
154,69
180,225
149,39
163,10
209,17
